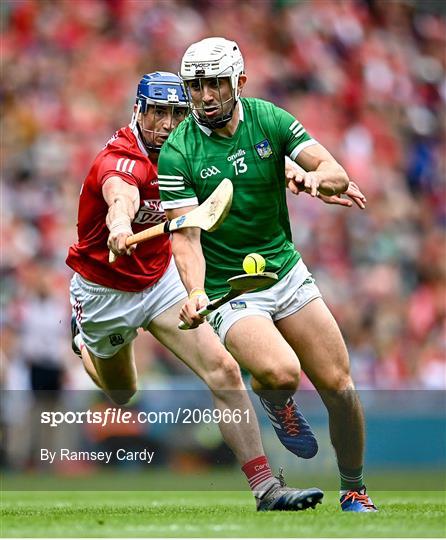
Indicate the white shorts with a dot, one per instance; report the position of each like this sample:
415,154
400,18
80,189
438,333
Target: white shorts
284,298
108,319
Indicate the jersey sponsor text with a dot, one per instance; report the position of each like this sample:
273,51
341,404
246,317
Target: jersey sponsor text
150,213
238,154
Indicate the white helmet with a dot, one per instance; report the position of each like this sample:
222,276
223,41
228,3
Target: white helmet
213,57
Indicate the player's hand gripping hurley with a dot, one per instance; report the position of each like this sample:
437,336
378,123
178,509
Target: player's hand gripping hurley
241,284
208,216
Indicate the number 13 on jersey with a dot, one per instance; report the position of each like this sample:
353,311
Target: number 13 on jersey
239,165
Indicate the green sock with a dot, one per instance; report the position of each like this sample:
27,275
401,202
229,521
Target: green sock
351,478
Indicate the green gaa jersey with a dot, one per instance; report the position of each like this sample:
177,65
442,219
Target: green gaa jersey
194,160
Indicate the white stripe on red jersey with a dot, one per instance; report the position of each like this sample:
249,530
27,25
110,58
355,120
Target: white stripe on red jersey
124,156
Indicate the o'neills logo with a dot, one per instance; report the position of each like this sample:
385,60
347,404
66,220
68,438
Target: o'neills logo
238,154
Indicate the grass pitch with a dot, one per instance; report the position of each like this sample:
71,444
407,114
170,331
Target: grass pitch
212,514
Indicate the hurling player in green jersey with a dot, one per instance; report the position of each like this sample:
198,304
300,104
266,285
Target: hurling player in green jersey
272,333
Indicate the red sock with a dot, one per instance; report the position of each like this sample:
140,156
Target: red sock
258,472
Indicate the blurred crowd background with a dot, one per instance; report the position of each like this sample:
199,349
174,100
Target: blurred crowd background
366,78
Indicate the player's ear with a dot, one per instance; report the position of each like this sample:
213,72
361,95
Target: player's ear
242,81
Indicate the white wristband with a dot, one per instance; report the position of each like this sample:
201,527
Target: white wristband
120,225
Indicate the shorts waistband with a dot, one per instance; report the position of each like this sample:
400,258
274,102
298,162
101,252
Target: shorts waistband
94,288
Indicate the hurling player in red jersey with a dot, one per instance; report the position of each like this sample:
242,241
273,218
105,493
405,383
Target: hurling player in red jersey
142,289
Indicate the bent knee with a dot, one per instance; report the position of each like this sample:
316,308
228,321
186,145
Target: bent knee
340,392
340,383
280,377
225,373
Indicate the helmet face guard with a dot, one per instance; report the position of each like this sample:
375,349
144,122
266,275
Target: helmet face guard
159,93
199,109
215,59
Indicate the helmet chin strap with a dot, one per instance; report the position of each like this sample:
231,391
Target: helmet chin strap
135,123
218,123
149,147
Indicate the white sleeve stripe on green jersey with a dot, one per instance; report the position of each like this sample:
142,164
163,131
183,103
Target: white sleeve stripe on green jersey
295,125
172,183
299,132
298,129
171,188
169,182
179,203
168,177
301,146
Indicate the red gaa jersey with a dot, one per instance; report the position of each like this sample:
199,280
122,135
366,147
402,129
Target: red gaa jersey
125,156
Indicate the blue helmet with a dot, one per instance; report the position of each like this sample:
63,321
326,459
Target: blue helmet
160,88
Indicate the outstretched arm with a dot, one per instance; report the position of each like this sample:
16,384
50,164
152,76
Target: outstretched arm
353,192
123,201
294,177
186,248
322,173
